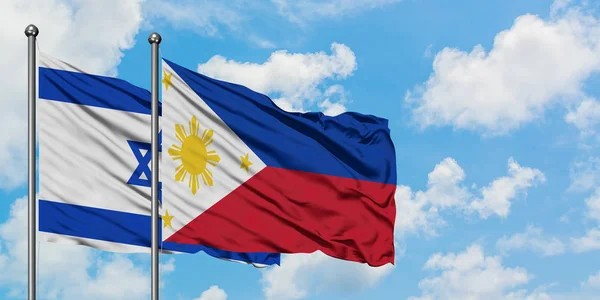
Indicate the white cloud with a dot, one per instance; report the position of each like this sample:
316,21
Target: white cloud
524,295
296,79
471,275
496,196
443,185
66,271
532,66
117,278
532,239
559,6
204,17
428,51
445,190
593,206
331,109
414,214
420,211
585,117
589,242
167,267
301,274
213,293
66,27
335,98
593,282
585,175
214,18
288,106
261,42
301,11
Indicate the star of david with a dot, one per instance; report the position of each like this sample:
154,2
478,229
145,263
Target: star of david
143,167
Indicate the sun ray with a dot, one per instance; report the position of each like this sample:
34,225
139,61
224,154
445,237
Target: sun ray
206,179
180,133
194,126
212,157
175,152
209,179
208,175
207,137
196,184
194,155
181,172
193,184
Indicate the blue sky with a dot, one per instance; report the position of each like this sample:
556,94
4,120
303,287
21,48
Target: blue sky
493,110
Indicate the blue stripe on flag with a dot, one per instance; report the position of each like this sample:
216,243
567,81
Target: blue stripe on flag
93,90
124,228
349,145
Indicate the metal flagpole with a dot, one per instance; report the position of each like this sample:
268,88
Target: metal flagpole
154,40
31,32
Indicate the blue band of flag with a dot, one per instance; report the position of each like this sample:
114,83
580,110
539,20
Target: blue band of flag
349,145
125,228
93,90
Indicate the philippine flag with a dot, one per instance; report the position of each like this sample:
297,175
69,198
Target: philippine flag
94,140
240,174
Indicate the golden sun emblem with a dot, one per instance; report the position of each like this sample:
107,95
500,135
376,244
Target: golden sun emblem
194,155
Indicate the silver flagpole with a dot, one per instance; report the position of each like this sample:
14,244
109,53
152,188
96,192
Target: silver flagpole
31,32
154,40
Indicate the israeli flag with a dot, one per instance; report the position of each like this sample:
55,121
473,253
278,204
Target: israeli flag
94,165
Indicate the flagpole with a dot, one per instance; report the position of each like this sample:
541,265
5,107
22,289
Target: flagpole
31,32
154,39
